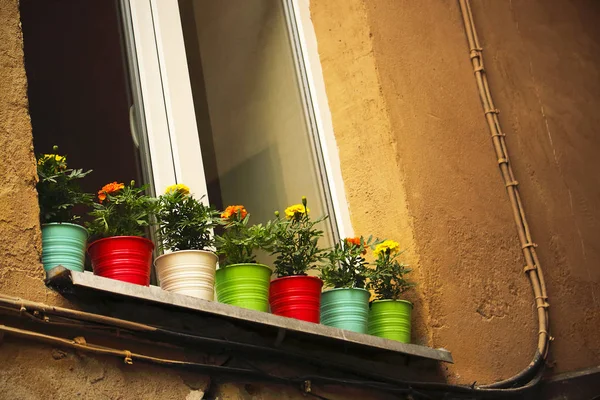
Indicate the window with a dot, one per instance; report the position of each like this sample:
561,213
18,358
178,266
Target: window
79,92
221,96
229,104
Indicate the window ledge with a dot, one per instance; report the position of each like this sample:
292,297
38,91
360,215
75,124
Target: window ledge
85,285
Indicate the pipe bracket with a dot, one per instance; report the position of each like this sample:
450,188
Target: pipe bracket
528,268
475,52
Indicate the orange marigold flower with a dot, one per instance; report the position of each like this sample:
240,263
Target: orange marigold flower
356,242
113,187
234,210
109,188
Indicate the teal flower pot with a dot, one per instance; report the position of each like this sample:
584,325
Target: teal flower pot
244,285
346,308
63,244
390,319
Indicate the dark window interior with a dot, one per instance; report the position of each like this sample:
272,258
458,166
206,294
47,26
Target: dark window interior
78,88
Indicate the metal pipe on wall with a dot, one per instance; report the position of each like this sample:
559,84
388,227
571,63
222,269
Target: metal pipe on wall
532,268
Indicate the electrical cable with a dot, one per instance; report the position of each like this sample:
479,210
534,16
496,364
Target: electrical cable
129,357
24,307
532,268
41,312
413,388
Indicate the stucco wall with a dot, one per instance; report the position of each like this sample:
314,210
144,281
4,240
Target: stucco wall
20,243
544,64
30,370
418,165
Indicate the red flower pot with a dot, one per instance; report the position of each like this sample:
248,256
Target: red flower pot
124,258
296,297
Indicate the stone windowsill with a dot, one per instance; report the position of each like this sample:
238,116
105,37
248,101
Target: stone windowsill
96,290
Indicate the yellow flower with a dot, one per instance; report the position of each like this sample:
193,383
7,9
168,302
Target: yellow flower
56,157
295,210
388,246
179,187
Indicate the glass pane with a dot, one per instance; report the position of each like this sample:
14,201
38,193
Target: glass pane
254,130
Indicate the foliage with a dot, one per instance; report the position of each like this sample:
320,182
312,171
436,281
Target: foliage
387,280
58,188
346,266
296,240
239,241
185,223
122,211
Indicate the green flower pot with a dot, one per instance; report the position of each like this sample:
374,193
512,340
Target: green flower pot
63,244
346,308
244,285
390,319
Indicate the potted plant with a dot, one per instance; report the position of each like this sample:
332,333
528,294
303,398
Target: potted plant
346,305
185,227
120,219
241,281
389,316
63,241
294,294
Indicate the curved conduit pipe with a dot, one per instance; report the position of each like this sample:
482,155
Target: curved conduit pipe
532,268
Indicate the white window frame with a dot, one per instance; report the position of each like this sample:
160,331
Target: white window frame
168,108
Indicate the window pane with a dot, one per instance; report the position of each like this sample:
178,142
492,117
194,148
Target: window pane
256,139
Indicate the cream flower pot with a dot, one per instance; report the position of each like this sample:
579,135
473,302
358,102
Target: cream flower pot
189,272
